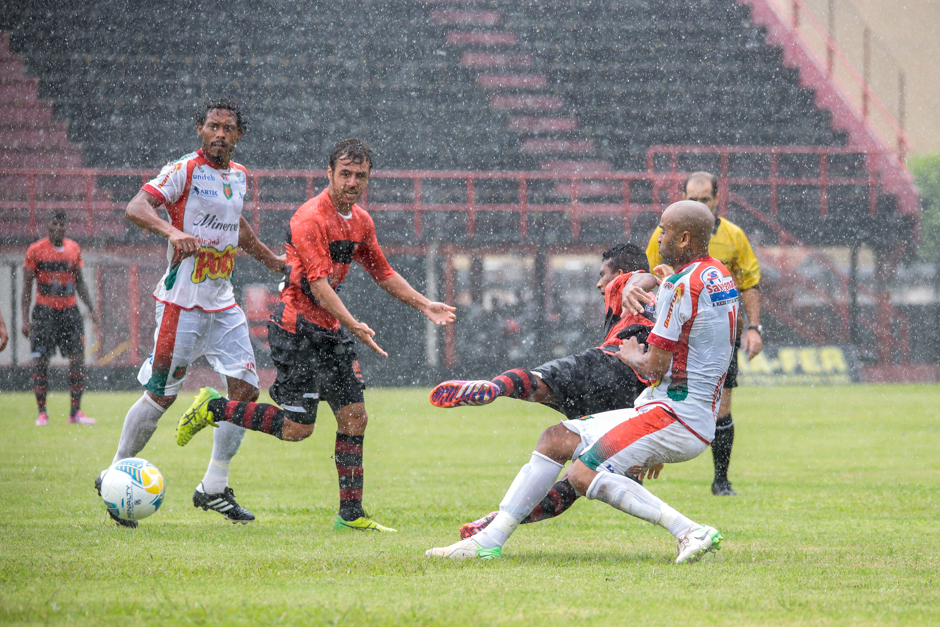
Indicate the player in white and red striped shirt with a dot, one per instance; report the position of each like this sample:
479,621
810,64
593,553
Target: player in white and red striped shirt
672,421
197,315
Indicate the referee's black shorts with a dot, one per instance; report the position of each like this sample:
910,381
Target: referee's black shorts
311,368
53,329
731,379
589,383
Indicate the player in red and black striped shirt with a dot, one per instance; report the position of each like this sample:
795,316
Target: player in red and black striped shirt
55,263
311,332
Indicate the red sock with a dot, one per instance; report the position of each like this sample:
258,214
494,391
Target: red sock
254,416
517,383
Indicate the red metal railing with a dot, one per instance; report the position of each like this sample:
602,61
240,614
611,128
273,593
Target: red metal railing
874,176
575,194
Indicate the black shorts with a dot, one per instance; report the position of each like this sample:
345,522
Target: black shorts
589,383
57,328
311,368
731,379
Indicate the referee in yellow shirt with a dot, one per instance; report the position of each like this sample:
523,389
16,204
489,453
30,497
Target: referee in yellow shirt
728,245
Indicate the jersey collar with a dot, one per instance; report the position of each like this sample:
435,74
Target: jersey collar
210,164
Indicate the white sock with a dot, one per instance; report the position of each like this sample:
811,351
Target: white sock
226,440
629,496
677,524
529,487
139,425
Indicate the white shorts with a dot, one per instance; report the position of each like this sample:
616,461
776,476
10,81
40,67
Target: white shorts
626,441
184,335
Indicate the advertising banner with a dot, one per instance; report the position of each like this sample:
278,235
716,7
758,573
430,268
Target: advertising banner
800,365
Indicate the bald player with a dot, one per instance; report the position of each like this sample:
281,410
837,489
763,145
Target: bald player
672,421
729,245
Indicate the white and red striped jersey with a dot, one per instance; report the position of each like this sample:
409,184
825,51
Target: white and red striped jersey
206,203
696,320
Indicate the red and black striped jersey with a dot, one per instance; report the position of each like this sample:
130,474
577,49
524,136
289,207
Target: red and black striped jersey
56,270
321,242
617,321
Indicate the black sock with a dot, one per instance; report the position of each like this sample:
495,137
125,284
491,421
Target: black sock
559,499
721,446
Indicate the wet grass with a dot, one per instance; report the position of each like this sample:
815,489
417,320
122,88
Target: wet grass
837,523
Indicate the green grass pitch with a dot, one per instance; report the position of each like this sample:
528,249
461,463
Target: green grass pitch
837,522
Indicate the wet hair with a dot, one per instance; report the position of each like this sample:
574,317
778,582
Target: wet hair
354,150
707,176
57,215
223,104
626,258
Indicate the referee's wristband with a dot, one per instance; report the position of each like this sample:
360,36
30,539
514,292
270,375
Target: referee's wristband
759,328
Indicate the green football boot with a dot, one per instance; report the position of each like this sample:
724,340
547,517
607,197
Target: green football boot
197,417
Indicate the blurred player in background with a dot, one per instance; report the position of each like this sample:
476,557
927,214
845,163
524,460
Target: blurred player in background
730,246
673,420
309,331
55,263
196,311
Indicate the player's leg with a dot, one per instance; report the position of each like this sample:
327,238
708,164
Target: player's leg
295,389
43,345
724,433
74,346
41,387
556,445
518,383
648,438
342,386
176,339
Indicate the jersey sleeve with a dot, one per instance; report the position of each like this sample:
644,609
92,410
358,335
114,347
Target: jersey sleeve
652,249
613,294
31,261
747,269
170,184
371,258
313,249
674,308
79,264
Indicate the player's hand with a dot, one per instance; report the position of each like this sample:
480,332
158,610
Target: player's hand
650,473
95,318
362,331
630,350
635,299
752,344
4,338
27,328
277,263
184,245
662,271
440,313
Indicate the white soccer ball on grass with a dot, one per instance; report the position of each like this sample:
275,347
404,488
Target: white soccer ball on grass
132,488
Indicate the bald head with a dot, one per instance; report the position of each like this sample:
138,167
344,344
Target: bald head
686,230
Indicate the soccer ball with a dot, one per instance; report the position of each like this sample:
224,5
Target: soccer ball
132,488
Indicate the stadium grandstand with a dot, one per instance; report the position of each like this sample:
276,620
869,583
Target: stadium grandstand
514,142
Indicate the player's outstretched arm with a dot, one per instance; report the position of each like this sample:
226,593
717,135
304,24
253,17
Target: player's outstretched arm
142,211
330,300
438,313
249,242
